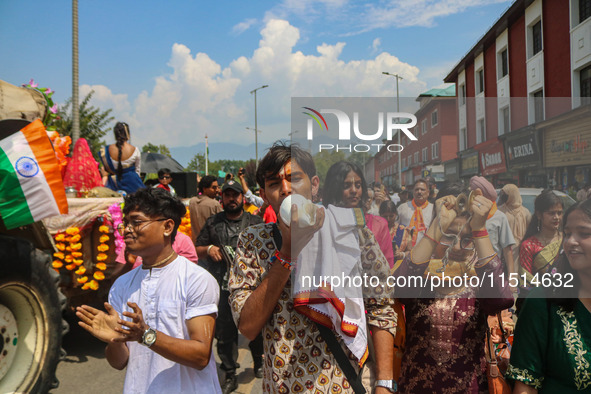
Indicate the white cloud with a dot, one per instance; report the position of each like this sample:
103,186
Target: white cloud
243,26
375,45
200,96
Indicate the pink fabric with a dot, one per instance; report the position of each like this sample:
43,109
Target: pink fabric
82,170
379,227
182,245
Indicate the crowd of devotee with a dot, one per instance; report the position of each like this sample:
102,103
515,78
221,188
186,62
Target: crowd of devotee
464,289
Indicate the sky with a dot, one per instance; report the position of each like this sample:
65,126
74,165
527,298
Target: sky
178,70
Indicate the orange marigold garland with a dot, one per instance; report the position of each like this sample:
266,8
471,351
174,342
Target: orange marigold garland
185,226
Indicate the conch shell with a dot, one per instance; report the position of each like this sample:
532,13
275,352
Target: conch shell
306,210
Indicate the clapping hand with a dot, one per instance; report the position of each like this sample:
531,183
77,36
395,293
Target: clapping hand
104,326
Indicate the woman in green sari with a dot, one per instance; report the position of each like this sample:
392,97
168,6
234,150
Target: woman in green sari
552,344
541,243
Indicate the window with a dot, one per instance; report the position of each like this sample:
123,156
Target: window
503,63
434,118
536,37
424,126
462,94
479,81
435,150
463,139
424,153
416,158
584,10
586,85
480,131
538,106
505,125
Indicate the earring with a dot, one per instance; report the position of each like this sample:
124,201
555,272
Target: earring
166,234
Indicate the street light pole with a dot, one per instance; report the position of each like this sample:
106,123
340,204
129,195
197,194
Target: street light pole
399,140
256,137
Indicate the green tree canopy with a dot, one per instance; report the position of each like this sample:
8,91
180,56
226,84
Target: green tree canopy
162,149
94,123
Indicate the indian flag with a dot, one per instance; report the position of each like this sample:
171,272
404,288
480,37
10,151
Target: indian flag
31,185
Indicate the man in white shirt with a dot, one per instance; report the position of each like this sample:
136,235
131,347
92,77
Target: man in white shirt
160,317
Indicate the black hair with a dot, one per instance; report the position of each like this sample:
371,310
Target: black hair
567,296
334,183
279,154
162,172
452,189
206,182
121,131
156,203
388,206
421,180
545,201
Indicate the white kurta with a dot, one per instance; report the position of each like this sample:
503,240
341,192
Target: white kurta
168,297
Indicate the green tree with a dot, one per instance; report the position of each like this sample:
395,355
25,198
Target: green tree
164,150
150,147
197,164
324,160
94,123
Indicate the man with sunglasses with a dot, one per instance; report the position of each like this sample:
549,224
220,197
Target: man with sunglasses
164,179
160,318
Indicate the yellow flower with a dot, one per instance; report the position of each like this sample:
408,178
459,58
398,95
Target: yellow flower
94,285
101,266
69,248
78,262
60,246
98,275
104,229
58,255
57,264
68,258
101,257
80,271
77,246
86,285
76,254
102,247
104,238
83,279
75,238
70,267
72,230
60,237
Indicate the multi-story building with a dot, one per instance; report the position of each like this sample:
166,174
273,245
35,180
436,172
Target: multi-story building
436,143
523,94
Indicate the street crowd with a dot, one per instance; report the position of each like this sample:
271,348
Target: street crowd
242,274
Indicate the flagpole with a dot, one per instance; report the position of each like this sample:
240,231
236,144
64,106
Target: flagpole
206,155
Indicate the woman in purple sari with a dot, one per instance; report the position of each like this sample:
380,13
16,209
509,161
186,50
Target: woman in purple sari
446,319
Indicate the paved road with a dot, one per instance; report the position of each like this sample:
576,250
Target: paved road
85,369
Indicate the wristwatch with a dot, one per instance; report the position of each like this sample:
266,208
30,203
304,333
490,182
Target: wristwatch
389,384
149,337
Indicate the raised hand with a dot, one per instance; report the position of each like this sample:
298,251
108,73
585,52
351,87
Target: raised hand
102,325
444,207
480,209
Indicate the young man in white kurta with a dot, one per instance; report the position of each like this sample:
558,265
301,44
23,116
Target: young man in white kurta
167,297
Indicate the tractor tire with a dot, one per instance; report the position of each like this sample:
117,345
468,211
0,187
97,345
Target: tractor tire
31,323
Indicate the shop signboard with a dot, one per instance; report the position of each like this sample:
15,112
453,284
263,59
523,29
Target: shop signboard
469,164
492,159
523,152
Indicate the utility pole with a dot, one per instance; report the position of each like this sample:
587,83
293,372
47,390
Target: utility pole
256,137
75,108
206,156
398,131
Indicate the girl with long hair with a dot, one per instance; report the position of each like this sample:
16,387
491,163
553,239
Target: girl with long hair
122,161
541,243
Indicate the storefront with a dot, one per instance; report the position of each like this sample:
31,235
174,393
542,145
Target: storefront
451,170
492,161
524,158
567,148
468,164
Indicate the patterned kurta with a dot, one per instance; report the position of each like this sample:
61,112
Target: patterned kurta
296,357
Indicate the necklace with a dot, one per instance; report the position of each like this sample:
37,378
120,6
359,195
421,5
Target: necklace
161,262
